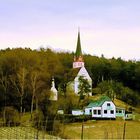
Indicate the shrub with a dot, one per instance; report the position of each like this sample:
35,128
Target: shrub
11,116
38,119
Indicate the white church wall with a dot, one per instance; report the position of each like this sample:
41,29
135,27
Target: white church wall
82,72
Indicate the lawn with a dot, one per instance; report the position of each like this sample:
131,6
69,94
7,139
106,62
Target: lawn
107,129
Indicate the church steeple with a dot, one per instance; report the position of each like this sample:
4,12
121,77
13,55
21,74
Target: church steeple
78,57
78,48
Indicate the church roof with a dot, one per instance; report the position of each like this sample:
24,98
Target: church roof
99,102
78,48
73,73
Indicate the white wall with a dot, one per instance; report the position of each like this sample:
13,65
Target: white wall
96,115
78,64
82,72
77,112
105,107
87,111
76,84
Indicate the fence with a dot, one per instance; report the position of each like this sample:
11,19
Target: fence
107,129
87,130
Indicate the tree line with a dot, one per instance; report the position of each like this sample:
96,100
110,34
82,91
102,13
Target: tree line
25,77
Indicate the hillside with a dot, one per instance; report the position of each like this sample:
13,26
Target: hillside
118,103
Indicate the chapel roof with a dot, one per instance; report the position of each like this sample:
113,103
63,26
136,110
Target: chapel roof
73,73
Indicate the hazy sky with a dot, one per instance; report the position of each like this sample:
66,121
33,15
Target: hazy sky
109,27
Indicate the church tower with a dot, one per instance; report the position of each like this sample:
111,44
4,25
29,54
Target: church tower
54,93
79,66
78,57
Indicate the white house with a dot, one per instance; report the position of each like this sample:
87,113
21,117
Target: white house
79,66
102,108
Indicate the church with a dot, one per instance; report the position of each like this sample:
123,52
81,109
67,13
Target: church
79,67
79,70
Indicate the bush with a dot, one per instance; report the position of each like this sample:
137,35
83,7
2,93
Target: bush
38,119
11,116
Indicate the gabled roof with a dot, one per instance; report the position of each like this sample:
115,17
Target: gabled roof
99,102
83,72
73,73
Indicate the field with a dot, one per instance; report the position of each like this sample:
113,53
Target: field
107,129
100,129
23,133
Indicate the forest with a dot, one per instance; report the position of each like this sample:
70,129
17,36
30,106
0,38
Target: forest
25,77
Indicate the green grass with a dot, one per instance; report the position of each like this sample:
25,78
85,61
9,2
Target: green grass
103,130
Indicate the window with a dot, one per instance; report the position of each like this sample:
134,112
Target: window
99,112
105,111
112,111
108,104
94,111
90,111
120,111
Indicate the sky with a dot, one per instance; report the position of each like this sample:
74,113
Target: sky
108,27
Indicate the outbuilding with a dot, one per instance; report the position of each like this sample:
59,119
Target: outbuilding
120,112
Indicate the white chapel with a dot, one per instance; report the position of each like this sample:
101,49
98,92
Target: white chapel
79,64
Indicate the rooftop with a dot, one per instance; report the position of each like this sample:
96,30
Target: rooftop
99,102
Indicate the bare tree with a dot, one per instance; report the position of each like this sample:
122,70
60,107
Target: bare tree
36,86
19,83
4,83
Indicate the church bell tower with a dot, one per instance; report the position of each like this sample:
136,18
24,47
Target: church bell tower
78,57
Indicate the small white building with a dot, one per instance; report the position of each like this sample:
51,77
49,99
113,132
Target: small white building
53,92
120,112
77,112
102,108
60,111
129,116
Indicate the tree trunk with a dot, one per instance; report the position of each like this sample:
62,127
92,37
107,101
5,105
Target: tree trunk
36,105
21,100
32,106
4,119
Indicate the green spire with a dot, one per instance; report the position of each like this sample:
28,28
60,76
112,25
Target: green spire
78,48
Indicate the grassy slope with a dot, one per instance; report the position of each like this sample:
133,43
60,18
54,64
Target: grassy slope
103,130
118,103
106,129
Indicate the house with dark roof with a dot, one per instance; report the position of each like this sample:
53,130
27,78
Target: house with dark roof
101,108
